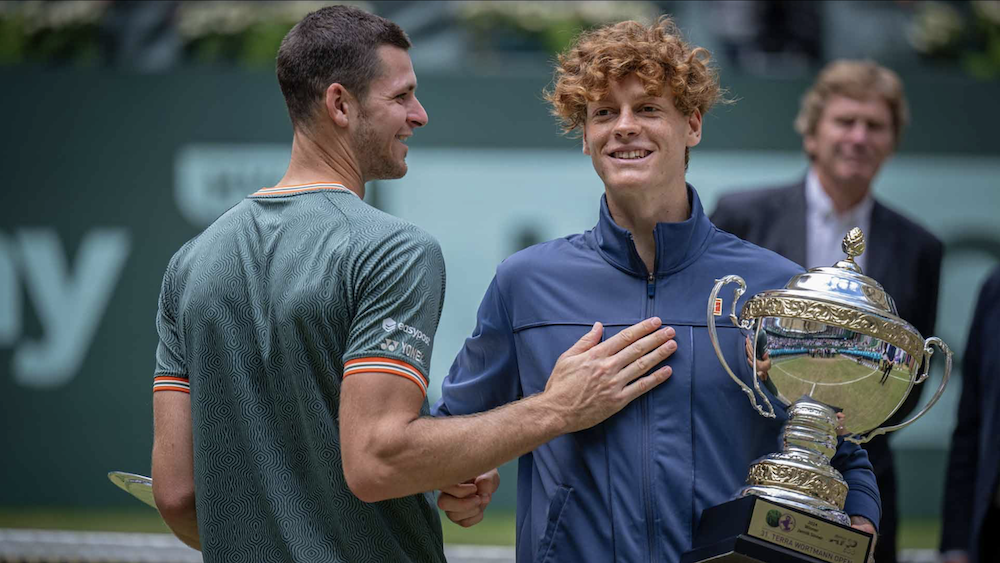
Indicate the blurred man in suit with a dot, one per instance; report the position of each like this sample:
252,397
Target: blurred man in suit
971,517
851,121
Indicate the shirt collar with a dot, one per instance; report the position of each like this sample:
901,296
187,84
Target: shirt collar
677,244
299,189
820,203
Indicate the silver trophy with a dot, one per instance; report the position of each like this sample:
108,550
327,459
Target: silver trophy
841,360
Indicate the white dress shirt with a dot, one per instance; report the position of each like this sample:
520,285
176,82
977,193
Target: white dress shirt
825,228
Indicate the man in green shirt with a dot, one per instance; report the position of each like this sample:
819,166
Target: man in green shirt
290,412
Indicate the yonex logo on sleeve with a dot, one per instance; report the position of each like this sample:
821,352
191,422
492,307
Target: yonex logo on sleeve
389,324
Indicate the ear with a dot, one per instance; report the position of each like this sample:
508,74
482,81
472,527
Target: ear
586,147
809,145
340,104
694,128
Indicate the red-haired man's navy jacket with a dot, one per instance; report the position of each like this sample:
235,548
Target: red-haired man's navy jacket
633,487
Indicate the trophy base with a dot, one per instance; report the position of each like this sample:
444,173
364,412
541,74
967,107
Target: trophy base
753,529
798,501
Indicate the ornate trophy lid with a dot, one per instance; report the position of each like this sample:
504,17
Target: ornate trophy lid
839,295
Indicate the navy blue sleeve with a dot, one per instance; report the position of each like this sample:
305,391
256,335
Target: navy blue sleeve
484,375
863,498
964,454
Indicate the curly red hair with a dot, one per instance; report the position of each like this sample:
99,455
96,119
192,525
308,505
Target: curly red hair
657,54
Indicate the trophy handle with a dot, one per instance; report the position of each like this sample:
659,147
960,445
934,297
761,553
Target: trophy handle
928,352
714,337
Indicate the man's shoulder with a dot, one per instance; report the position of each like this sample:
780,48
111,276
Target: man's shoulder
394,228
991,288
374,232
916,233
551,254
368,222
731,249
344,225
206,243
751,212
753,198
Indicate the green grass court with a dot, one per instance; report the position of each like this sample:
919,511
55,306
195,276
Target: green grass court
496,529
840,381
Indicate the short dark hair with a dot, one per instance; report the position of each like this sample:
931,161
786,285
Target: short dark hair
333,44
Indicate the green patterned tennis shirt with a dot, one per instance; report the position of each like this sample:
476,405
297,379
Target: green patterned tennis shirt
260,318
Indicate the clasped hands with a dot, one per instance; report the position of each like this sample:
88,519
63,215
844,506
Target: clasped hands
465,503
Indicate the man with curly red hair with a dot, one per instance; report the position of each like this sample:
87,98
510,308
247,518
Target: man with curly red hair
633,487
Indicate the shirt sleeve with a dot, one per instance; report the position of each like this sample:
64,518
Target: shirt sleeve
485,374
964,452
863,498
171,372
398,292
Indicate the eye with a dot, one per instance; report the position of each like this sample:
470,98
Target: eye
603,112
648,109
402,97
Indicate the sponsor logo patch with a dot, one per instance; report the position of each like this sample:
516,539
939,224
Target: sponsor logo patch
390,324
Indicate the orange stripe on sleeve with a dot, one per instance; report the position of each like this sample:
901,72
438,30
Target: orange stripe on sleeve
375,359
167,387
168,378
387,365
170,383
417,381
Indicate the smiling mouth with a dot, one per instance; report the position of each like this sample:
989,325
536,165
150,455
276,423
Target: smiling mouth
631,155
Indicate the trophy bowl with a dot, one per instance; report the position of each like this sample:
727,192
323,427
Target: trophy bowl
831,348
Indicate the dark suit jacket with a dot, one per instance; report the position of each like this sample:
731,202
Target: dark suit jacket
974,460
901,255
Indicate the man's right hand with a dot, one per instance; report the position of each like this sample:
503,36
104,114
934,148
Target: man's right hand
465,503
593,380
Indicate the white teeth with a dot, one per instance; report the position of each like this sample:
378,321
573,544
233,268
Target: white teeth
631,155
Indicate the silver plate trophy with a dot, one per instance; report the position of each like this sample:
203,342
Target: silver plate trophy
139,486
842,362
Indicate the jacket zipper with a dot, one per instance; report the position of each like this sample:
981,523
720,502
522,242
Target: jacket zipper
647,494
646,471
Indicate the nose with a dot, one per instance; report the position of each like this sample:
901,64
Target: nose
859,132
418,115
626,125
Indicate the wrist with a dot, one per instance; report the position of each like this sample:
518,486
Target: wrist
551,414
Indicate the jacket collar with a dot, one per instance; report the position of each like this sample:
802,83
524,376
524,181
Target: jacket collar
677,244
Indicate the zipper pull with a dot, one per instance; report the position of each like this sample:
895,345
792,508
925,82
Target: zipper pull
650,286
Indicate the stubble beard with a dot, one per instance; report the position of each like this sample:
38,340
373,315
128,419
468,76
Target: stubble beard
374,157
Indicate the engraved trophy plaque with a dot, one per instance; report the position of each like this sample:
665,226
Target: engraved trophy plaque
833,337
